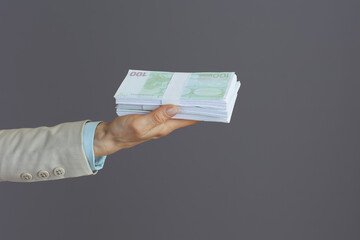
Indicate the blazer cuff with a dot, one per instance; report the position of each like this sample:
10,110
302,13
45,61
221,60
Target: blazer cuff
43,153
96,163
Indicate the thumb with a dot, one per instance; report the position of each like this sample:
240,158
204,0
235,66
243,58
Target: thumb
160,115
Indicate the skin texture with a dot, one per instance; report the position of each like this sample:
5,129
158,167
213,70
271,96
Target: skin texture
130,130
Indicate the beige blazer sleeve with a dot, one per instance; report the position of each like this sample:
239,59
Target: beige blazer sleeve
43,153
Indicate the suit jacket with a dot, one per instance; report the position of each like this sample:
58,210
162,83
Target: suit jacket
43,153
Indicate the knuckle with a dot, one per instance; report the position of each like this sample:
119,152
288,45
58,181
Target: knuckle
139,134
158,117
161,134
157,136
136,129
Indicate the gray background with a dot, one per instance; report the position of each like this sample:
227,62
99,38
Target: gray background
286,167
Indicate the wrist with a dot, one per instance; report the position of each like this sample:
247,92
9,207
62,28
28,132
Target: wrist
101,141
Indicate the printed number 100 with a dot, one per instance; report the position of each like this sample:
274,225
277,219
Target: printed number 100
138,74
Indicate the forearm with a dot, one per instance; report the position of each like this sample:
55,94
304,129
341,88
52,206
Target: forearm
32,151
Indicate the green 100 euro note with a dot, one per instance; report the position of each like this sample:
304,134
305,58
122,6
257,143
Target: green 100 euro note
204,96
142,85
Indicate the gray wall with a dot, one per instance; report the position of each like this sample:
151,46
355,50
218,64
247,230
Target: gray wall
286,167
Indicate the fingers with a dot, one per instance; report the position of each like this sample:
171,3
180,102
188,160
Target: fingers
174,124
158,116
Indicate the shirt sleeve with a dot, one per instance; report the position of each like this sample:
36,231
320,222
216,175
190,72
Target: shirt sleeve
96,163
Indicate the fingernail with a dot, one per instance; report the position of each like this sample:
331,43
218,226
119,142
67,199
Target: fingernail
171,111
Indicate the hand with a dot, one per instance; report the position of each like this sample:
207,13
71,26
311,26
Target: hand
130,130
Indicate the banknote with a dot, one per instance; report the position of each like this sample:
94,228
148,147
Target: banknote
198,86
203,96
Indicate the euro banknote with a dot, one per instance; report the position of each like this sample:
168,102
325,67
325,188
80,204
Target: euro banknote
204,96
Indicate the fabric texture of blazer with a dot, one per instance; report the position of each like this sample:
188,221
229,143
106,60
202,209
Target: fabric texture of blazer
43,153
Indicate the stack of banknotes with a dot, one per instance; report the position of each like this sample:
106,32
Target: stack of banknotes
202,96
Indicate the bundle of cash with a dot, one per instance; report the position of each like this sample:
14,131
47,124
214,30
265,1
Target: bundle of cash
202,96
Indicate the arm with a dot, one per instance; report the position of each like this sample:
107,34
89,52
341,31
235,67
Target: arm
50,153
43,153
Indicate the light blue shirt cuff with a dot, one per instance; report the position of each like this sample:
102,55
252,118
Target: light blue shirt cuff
96,163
